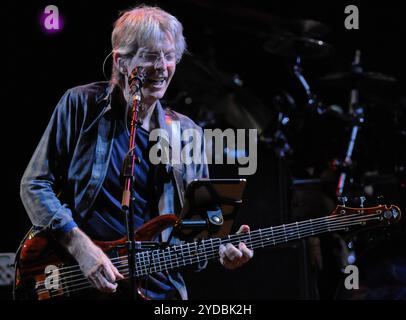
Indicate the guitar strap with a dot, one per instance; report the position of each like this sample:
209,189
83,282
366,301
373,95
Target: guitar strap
177,169
179,185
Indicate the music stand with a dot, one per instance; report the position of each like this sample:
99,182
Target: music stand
210,208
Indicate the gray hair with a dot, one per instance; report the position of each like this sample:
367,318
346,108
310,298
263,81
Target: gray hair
144,26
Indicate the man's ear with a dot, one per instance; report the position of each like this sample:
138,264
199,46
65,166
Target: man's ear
120,63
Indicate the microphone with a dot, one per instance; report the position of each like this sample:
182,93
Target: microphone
136,80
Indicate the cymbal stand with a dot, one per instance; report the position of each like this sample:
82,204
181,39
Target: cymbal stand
312,99
355,110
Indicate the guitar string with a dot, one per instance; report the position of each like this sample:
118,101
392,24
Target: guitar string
164,263
280,239
204,244
87,285
158,262
275,229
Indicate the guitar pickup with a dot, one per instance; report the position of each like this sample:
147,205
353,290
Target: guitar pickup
146,245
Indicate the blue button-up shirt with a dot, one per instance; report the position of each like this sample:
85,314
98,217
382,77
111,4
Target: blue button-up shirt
70,163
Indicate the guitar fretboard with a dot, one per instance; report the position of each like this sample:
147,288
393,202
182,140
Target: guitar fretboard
194,252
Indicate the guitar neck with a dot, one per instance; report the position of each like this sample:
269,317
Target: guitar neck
194,252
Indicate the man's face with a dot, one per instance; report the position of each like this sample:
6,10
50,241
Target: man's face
160,66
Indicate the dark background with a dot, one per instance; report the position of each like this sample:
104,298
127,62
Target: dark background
40,67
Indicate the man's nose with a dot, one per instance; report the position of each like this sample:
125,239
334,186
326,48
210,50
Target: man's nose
160,63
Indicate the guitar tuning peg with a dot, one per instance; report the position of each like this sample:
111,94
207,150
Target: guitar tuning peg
343,200
361,201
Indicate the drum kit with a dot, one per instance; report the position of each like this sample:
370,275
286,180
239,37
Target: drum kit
219,99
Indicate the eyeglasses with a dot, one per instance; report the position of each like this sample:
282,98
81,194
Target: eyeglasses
152,59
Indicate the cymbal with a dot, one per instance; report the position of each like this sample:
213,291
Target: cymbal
242,109
292,47
258,20
343,77
195,77
217,96
370,82
300,28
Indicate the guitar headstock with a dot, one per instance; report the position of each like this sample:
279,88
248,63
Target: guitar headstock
379,215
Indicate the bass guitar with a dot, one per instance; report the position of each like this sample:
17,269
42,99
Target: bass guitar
44,270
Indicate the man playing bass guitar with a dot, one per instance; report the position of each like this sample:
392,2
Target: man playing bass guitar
72,187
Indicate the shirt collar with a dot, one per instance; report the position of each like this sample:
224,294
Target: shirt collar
163,120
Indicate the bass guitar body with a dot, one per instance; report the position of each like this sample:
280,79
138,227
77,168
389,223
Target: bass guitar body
44,269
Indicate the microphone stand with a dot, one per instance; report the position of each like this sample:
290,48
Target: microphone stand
135,80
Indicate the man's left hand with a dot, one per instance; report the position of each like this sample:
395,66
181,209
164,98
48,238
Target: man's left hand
232,257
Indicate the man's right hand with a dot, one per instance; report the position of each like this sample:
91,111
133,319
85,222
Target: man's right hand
95,265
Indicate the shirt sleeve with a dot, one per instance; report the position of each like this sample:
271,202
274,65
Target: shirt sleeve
47,170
